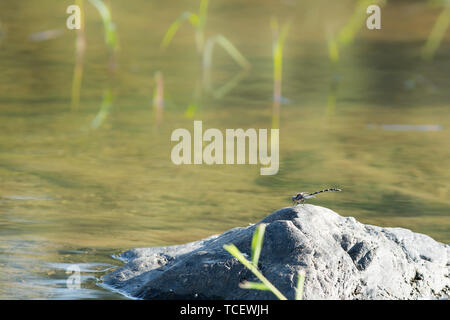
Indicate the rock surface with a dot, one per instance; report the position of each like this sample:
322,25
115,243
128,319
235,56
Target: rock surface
342,258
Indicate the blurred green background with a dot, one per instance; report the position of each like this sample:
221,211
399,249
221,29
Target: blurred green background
86,118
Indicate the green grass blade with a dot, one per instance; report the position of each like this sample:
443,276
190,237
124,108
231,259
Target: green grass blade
228,86
356,22
279,38
333,50
284,32
228,47
257,241
190,110
278,46
436,35
173,28
300,283
102,9
105,109
203,13
253,285
109,26
234,251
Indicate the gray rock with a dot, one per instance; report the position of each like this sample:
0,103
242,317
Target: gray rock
342,258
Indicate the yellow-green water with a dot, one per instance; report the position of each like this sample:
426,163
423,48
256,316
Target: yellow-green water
74,194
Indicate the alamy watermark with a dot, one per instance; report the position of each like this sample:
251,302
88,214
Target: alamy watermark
74,20
374,20
213,152
74,280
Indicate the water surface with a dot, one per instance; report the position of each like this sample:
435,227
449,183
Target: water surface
74,193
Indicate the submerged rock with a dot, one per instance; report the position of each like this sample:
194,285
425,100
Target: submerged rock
342,258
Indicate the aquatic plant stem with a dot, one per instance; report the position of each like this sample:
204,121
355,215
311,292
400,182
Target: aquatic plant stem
80,49
158,97
198,21
233,250
111,37
278,41
300,285
436,35
347,34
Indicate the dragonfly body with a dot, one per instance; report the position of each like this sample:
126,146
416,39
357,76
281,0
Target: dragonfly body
302,196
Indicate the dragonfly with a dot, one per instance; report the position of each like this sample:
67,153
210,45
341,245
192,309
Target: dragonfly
302,196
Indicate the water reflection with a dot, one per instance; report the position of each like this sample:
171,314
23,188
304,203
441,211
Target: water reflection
81,184
27,274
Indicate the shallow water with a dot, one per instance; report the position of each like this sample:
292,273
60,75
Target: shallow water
74,193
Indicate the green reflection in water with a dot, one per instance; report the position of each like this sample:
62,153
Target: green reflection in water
67,188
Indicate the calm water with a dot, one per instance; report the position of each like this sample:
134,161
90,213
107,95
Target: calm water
78,185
